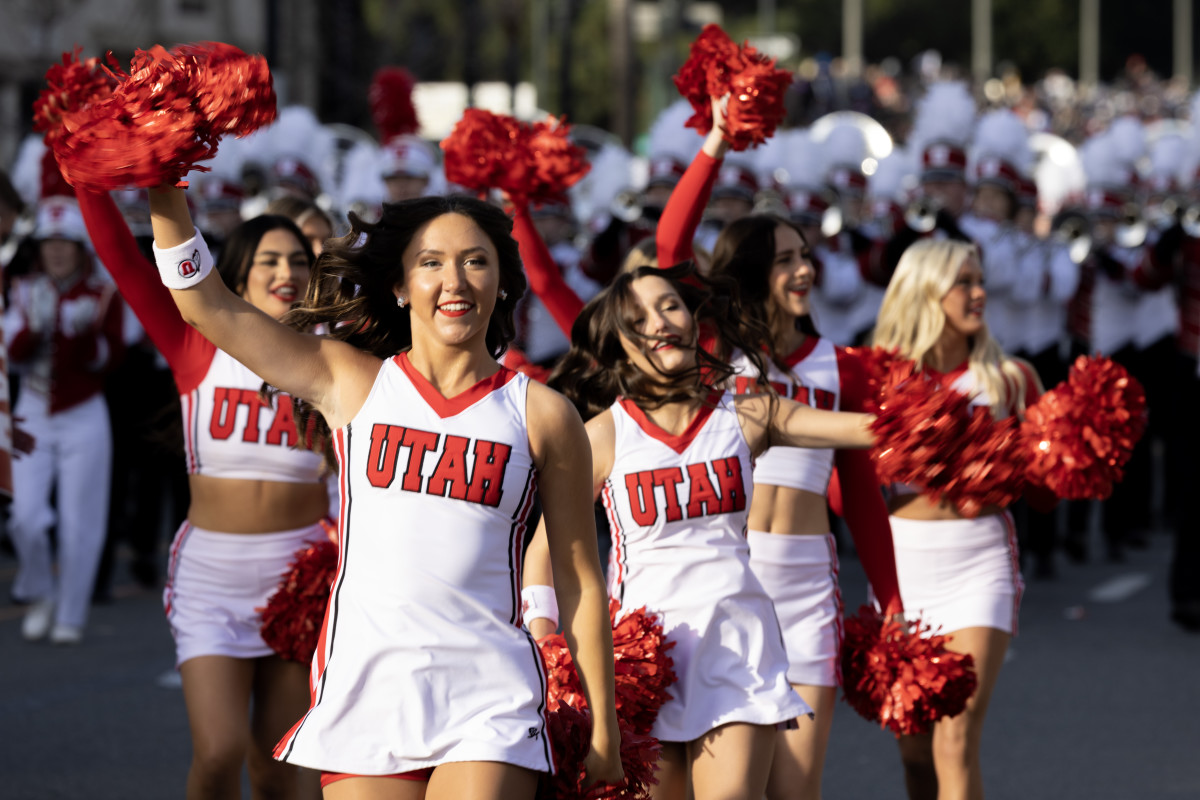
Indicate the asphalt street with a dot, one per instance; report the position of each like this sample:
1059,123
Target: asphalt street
1099,699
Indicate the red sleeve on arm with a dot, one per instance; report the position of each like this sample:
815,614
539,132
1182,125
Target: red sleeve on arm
866,515
186,351
545,278
677,226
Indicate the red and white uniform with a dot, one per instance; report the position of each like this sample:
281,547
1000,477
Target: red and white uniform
800,572
216,581
62,342
1046,281
677,513
422,658
960,573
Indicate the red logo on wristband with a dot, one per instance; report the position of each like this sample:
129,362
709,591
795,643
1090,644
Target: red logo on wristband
189,267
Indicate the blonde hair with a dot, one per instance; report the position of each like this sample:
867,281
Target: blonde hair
911,321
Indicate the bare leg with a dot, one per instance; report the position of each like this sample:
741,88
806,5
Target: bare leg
672,773
800,754
920,777
482,780
732,762
280,699
956,741
368,788
216,690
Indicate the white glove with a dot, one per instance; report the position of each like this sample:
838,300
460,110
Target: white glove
43,304
78,315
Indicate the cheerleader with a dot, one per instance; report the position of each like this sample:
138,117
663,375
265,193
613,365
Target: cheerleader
671,460
424,683
956,574
255,500
792,550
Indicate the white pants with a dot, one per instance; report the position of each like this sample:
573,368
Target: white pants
73,450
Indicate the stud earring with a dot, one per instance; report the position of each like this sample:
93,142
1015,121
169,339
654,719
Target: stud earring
401,302
503,294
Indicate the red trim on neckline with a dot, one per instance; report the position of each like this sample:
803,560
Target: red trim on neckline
677,442
802,352
951,376
449,406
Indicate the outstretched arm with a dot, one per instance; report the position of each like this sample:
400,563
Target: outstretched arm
545,278
334,376
769,421
562,455
677,227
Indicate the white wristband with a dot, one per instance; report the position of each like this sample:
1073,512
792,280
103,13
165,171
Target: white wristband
184,265
539,602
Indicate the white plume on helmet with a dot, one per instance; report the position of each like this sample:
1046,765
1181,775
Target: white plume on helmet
1166,154
27,169
1002,134
946,113
894,177
845,146
668,136
611,174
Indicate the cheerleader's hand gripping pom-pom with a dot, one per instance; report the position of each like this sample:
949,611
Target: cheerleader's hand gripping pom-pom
1079,435
900,678
570,733
717,67
159,120
291,620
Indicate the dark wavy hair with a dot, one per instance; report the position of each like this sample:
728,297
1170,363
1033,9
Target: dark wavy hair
237,252
745,252
351,293
597,370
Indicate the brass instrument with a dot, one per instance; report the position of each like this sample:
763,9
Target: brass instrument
921,215
627,206
1073,230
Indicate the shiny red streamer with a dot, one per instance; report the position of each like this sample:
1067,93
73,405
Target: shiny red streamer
570,731
716,66
530,163
160,119
292,618
1079,435
903,680
390,98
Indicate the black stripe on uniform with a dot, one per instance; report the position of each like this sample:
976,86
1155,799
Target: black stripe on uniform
514,579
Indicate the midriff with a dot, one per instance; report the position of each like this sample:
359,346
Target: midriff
779,509
231,505
920,507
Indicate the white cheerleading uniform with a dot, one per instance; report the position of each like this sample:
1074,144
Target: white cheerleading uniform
676,508
959,573
800,572
422,658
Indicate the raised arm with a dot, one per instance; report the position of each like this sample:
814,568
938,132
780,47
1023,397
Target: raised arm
545,278
769,421
334,376
562,456
187,352
677,227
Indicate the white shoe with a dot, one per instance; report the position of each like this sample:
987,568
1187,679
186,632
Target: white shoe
38,619
66,634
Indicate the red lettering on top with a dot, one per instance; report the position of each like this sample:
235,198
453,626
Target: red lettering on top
702,497
640,487
224,416
449,478
487,474
252,401
744,385
420,442
283,426
825,399
733,489
800,393
381,462
668,478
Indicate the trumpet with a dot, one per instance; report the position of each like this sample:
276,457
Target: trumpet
1073,230
627,206
1131,228
1175,210
921,215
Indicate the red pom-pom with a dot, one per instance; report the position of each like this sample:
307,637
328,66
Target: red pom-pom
1079,435
390,97
899,678
716,66
527,162
882,369
644,670
570,733
70,86
558,162
928,436
291,620
162,118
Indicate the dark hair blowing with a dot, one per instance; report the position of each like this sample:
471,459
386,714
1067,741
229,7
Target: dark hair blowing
745,252
237,253
351,288
597,370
